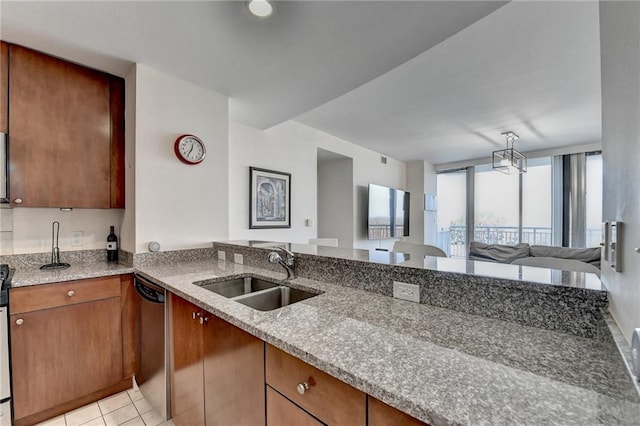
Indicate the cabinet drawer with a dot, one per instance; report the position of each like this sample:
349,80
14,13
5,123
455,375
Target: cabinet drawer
34,298
281,411
327,398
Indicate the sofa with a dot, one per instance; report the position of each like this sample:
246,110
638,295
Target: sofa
508,253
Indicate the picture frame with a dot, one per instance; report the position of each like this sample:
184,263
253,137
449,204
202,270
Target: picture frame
269,199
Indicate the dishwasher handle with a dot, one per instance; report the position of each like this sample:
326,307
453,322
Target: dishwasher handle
149,291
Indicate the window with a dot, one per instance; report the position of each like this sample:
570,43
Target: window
509,209
496,198
537,202
452,212
594,199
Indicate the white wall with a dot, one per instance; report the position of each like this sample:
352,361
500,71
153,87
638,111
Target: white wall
128,233
417,215
292,147
335,200
178,205
421,180
32,228
431,217
620,61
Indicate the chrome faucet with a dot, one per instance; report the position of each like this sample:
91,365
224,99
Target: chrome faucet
287,263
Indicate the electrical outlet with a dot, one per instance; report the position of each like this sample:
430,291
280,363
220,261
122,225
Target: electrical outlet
222,255
238,258
406,291
77,238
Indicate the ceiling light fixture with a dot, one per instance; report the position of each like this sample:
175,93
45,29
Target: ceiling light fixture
509,159
260,8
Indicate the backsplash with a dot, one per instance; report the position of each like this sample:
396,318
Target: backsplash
6,229
35,260
28,230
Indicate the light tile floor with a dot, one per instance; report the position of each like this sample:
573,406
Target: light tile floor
127,408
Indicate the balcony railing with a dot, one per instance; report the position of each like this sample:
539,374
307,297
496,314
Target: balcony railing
452,240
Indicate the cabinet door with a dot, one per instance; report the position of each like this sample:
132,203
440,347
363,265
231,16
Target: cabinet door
4,87
60,127
381,414
282,412
64,353
187,384
234,375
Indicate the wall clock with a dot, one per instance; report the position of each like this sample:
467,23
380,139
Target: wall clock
190,149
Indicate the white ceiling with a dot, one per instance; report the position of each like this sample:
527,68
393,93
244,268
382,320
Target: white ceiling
421,80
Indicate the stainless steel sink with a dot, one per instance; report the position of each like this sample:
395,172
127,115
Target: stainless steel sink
258,293
239,286
273,298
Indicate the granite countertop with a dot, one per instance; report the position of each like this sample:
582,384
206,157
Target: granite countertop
439,365
84,264
26,275
527,274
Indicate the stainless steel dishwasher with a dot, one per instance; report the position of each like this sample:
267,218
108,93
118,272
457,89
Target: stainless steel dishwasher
153,378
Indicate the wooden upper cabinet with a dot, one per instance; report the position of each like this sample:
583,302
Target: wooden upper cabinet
66,133
4,87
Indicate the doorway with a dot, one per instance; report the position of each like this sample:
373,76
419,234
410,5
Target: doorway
335,197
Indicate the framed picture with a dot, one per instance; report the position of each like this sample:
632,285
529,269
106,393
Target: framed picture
269,199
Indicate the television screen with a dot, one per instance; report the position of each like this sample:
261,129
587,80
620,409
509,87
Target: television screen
388,215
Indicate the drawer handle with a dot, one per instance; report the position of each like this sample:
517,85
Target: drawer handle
203,320
71,293
195,315
19,321
302,387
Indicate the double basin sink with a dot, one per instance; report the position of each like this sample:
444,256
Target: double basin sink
258,293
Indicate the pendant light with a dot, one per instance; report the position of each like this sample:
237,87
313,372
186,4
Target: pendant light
509,160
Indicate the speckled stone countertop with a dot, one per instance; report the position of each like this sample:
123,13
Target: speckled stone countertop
438,365
26,274
527,274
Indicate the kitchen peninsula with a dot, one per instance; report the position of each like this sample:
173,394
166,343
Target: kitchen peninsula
440,365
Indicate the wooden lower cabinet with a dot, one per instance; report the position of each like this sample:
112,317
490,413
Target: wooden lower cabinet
187,385
217,370
326,398
281,411
69,353
381,414
221,375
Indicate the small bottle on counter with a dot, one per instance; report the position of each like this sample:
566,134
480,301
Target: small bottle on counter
112,246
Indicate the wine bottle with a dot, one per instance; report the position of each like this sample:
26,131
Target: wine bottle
112,246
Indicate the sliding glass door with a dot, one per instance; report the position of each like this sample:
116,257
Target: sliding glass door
452,212
497,206
537,202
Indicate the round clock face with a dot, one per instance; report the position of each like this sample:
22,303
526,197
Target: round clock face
190,149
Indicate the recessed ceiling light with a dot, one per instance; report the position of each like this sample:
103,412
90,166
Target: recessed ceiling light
260,8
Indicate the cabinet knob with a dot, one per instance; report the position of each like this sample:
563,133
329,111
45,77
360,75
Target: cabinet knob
302,387
204,320
18,201
194,315
19,321
71,293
